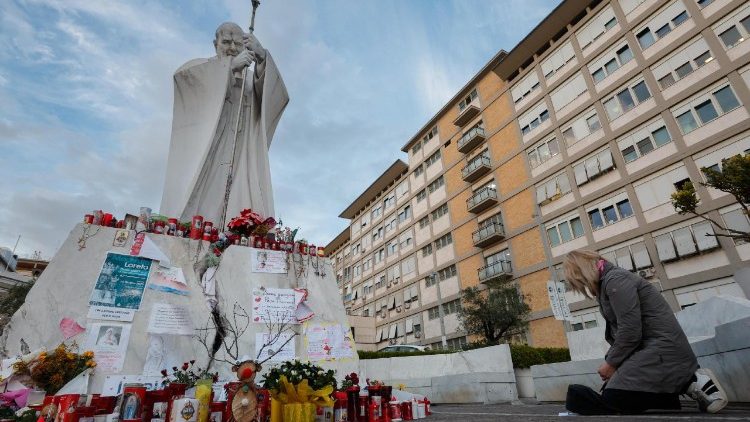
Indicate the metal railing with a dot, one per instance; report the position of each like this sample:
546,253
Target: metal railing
475,163
494,270
487,230
470,135
480,196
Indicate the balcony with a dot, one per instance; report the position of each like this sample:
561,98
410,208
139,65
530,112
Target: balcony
488,234
466,115
476,168
481,200
496,272
471,139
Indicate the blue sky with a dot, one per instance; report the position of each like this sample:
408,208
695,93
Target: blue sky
86,97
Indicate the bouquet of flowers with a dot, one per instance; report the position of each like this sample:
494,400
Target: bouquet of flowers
188,374
250,222
350,380
296,371
51,371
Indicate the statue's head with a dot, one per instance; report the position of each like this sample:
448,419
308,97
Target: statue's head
229,39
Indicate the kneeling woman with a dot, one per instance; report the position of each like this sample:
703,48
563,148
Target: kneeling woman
650,362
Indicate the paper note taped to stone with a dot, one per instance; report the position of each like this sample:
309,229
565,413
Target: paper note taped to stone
283,346
265,261
170,319
121,282
276,305
109,342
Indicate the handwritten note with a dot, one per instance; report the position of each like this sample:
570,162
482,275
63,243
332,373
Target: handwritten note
265,261
276,305
328,342
283,346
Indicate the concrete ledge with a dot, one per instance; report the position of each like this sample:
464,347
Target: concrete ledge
476,376
551,381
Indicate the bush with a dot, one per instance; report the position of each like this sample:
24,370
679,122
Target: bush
526,356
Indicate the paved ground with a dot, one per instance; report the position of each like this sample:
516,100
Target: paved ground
549,412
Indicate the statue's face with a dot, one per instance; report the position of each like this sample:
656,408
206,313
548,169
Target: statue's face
228,41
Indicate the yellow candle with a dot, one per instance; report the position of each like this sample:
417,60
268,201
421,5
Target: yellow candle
276,411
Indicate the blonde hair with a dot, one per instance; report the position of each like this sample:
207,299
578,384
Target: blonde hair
581,272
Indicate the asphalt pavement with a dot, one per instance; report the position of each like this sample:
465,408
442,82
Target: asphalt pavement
550,412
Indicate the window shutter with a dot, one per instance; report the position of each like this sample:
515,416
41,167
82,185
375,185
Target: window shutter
665,247
704,236
409,326
683,239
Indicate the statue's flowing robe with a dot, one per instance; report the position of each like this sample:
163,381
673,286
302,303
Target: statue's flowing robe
206,101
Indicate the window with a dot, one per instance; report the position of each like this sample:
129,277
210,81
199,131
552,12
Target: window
686,241
367,264
735,28
376,212
446,273
390,200
702,108
455,343
630,5
416,147
552,189
568,91
581,127
432,159
431,134
558,59
737,220
392,248
440,211
542,152
704,3
609,62
564,231
404,214
419,170
611,213
525,87
644,140
421,195
533,118
433,313
662,24
424,221
682,63
381,282
443,241
597,26
467,100
626,99
451,307
402,189
427,250
390,225
632,257
406,239
593,166
436,184
377,233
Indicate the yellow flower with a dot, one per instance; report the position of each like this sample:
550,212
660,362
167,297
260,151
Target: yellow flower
90,363
88,354
42,355
70,356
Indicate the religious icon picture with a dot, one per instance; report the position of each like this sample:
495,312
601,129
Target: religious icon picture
109,336
121,238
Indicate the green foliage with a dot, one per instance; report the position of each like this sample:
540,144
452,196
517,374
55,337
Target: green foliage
734,179
496,313
526,356
15,297
295,371
685,200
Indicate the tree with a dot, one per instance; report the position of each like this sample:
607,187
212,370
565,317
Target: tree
733,178
12,300
496,313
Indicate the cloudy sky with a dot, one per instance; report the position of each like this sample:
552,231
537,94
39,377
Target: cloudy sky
86,97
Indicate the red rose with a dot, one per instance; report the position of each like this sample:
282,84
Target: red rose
216,377
185,366
174,368
192,361
164,372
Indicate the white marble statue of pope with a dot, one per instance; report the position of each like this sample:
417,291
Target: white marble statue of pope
206,102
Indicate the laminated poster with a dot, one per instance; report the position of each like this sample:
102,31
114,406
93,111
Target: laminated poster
276,305
109,342
328,341
119,288
286,351
167,318
265,261
170,280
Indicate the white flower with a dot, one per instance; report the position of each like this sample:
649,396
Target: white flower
21,411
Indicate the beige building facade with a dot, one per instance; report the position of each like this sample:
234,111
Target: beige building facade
576,138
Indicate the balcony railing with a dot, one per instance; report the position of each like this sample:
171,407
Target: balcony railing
471,139
497,271
468,113
476,168
488,234
481,200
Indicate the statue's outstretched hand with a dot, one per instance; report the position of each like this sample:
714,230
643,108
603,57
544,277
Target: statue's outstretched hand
242,60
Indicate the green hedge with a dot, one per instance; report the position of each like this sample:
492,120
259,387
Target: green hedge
523,356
